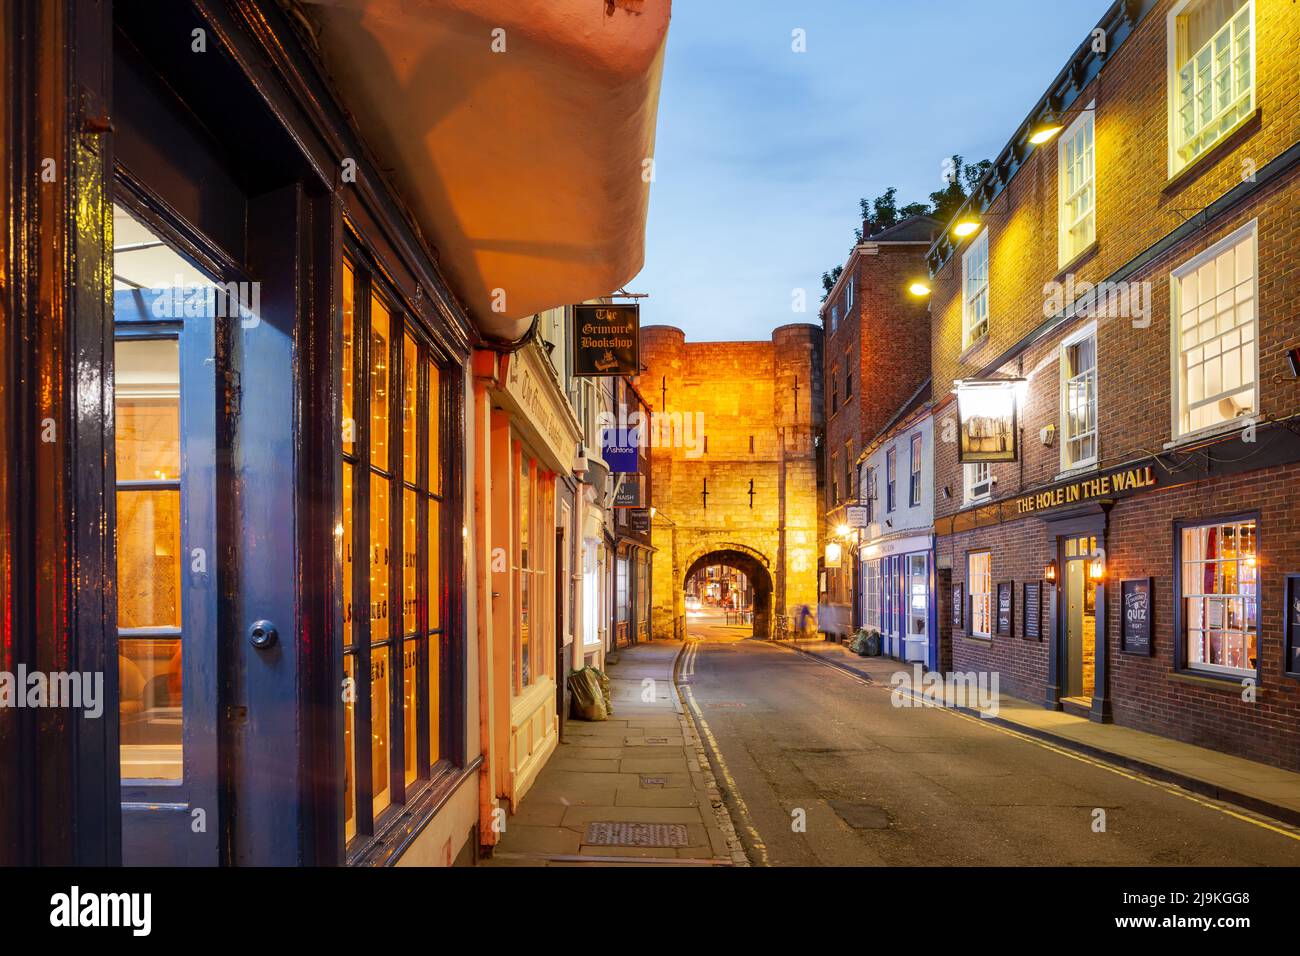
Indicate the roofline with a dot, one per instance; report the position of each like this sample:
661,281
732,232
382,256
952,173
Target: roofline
855,254
1117,25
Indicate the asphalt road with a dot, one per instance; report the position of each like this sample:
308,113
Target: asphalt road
872,784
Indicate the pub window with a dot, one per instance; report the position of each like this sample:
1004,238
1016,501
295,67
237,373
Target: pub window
1079,399
1077,206
1212,73
393,584
975,297
914,480
979,577
1219,595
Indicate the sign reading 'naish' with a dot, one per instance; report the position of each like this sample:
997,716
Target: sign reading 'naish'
1118,483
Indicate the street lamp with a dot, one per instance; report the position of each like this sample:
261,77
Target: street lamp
919,288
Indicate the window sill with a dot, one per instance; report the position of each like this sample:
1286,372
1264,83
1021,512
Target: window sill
1079,258
980,638
1198,164
1227,683
974,348
1078,471
1211,431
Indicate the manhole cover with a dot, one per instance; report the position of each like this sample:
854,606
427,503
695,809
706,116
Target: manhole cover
653,781
723,703
606,833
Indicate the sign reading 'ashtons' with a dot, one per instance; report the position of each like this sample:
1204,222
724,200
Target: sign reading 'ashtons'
606,340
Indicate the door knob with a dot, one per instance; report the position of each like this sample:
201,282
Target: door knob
262,634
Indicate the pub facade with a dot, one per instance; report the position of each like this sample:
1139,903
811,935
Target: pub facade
1116,377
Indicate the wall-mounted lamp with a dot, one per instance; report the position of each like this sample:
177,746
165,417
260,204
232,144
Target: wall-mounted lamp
947,491
1047,435
966,225
1046,129
1049,572
1097,569
919,288
580,463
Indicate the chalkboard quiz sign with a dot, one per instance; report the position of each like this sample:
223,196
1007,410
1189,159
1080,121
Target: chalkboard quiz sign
1135,599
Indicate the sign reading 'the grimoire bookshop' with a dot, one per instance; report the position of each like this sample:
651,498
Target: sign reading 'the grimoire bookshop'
606,340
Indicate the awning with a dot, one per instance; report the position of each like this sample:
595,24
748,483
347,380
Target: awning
518,132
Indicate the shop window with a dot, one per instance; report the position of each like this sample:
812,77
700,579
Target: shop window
871,594
1218,597
1212,73
392,568
1215,347
979,580
1079,399
1077,188
533,565
914,480
975,296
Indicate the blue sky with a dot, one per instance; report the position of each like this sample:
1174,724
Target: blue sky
762,153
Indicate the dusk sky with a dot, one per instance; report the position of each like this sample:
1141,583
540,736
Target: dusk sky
763,153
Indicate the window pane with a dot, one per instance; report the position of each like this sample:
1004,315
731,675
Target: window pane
435,698
410,379
150,696
410,562
379,558
148,558
348,548
349,754
379,383
435,579
147,405
349,358
410,712
379,727
435,403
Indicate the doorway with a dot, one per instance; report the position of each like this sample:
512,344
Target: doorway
165,433
1080,618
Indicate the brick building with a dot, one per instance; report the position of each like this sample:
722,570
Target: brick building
877,355
1132,273
736,480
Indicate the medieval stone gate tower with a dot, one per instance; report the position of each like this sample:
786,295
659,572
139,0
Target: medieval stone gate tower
735,461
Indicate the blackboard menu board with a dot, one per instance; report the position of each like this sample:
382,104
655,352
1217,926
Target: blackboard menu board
1293,625
1135,598
1006,602
1032,614
958,604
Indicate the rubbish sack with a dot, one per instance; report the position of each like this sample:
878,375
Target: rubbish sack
871,646
603,678
588,698
858,644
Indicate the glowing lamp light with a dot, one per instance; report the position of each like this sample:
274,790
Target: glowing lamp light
833,552
1047,129
919,288
967,225
1049,572
1097,569
842,531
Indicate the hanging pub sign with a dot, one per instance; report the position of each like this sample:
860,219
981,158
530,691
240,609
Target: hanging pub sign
639,520
1135,616
1293,625
989,424
857,516
618,448
833,552
606,340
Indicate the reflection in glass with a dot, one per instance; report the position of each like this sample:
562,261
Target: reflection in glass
349,753
435,698
150,696
435,398
347,555
410,559
435,582
379,383
147,406
410,713
379,558
379,727
148,558
410,379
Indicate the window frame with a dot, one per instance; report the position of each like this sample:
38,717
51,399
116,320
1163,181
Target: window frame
969,471
986,595
891,476
1177,163
369,828
1066,253
1181,662
1075,338
978,249
917,463
1178,398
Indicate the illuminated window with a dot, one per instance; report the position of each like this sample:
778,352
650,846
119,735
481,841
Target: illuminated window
1077,188
977,481
391,409
1219,597
1212,66
980,582
891,468
975,285
1079,399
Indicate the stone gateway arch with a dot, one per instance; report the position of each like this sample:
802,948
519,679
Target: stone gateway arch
743,489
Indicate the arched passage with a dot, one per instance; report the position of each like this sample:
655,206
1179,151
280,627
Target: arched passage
754,567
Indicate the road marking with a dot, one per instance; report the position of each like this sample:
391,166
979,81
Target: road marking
759,847
1082,758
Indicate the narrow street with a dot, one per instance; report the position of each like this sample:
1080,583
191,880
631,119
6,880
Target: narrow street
881,785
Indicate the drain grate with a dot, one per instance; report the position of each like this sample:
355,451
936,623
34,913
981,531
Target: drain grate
656,740
610,833
653,781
